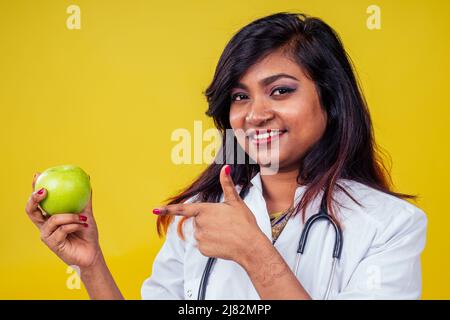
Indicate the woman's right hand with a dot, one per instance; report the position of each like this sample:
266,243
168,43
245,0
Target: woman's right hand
72,237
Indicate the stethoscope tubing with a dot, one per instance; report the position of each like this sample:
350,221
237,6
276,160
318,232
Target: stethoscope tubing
337,251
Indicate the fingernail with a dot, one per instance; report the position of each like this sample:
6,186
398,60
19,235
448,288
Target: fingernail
83,218
156,211
41,191
85,225
227,170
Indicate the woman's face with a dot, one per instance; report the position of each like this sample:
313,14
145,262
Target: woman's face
278,109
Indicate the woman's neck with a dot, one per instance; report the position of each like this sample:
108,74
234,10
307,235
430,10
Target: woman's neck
279,189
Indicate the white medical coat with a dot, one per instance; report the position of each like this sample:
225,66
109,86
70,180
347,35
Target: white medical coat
382,244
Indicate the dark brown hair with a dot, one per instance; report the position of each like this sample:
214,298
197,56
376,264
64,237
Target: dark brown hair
346,150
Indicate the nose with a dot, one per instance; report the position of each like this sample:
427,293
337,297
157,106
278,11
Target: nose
259,114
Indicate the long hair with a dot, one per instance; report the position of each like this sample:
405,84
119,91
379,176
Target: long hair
346,150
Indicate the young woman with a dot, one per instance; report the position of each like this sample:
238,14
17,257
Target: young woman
286,82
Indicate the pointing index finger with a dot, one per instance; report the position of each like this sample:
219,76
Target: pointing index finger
180,209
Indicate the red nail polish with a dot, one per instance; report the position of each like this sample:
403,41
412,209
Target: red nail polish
41,191
83,218
85,225
156,211
227,170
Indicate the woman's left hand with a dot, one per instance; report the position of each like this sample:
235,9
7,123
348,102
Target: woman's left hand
223,230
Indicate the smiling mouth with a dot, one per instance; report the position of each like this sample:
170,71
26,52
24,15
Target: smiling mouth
265,136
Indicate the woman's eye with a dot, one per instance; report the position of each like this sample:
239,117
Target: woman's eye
281,91
238,97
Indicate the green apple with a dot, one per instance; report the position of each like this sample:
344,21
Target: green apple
68,189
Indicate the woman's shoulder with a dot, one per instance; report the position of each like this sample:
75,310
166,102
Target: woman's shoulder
382,208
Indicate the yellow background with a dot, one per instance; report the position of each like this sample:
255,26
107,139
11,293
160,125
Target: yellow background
107,98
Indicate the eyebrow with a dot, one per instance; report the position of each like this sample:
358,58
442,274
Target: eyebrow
267,81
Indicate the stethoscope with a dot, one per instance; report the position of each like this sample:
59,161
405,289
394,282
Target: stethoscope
322,215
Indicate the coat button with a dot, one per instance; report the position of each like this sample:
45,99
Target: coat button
189,293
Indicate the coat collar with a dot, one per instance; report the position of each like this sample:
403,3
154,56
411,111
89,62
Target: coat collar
257,205
257,183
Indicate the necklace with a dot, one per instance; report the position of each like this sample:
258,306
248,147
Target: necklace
278,221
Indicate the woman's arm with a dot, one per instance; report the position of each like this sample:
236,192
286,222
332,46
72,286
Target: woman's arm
74,239
271,276
99,282
229,230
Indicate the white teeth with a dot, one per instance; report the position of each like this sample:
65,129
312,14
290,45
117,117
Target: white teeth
266,135
262,136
